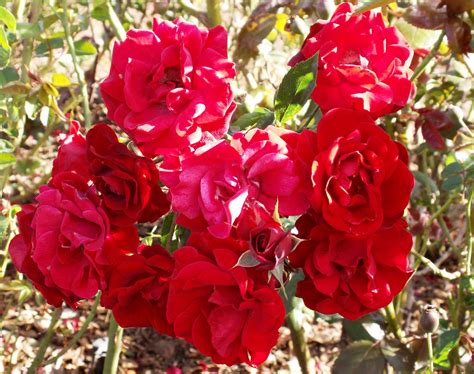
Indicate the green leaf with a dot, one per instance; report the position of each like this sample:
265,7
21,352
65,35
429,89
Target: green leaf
100,13
5,50
364,328
425,180
8,19
446,342
85,48
258,117
5,146
360,357
7,75
371,4
247,260
49,44
452,169
398,356
416,37
452,182
60,80
6,159
295,89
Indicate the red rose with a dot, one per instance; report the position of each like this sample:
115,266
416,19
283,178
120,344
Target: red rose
208,189
352,275
63,237
137,289
169,87
360,177
271,171
268,242
363,64
229,313
21,248
72,153
128,184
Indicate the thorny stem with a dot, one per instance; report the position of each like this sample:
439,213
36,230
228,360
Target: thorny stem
78,335
77,68
45,341
114,347
436,270
428,58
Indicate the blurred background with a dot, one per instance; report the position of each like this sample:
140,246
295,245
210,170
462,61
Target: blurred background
53,56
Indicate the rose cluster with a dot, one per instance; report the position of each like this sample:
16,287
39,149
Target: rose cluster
169,90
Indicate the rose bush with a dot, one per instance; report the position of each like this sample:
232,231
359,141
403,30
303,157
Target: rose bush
170,87
363,64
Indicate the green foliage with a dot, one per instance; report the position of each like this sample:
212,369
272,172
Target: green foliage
295,89
447,341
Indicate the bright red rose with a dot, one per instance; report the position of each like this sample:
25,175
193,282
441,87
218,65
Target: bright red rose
63,237
269,243
360,177
169,87
72,153
207,187
128,184
271,171
229,313
137,289
352,275
363,64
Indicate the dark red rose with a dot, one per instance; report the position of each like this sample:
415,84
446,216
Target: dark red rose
170,87
228,312
128,184
360,177
352,275
268,242
363,64
137,289
61,240
268,160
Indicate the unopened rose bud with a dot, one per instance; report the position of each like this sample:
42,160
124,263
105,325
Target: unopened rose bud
429,319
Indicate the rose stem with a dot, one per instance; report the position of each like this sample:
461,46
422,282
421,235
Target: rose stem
214,12
300,347
77,68
114,347
469,238
45,341
392,321
428,58
117,26
79,334
429,343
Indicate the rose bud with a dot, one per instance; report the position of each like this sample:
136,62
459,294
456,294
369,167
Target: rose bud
429,320
268,242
